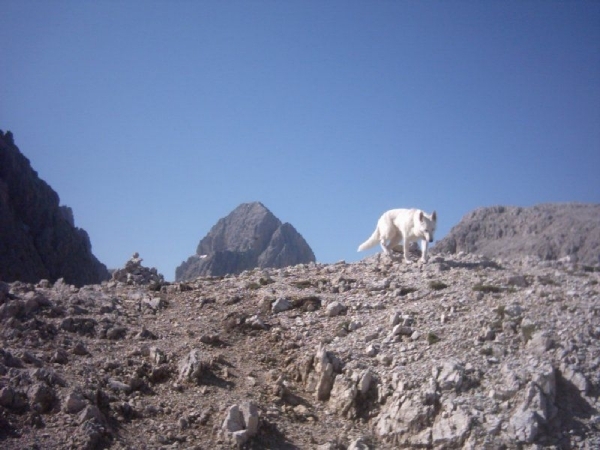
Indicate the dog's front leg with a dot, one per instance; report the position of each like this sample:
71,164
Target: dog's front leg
406,246
424,245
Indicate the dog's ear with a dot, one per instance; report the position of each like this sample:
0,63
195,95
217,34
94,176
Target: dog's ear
421,216
434,216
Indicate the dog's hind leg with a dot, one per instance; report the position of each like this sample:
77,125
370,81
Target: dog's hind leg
388,244
394,244
385,247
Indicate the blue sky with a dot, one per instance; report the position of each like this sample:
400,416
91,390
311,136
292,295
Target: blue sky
153,119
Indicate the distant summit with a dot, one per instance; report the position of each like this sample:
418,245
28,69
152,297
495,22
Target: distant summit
250,236
38,238
549,231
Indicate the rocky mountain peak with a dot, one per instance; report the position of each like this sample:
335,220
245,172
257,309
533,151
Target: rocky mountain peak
248,237
248,227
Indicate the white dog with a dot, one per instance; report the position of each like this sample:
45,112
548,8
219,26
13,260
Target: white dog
407,225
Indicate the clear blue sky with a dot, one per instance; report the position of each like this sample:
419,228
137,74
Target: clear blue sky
153,119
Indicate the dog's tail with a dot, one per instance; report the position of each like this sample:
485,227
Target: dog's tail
371,242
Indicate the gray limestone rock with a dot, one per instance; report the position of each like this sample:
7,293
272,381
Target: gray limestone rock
335,309
451,429
321,379
74,402
343,394
192,367
359,444
241,422
281,304
450,376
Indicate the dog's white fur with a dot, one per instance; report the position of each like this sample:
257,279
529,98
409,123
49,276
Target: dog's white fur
407,225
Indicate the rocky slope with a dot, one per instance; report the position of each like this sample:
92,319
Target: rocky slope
463,352
548,231
38,238
250,236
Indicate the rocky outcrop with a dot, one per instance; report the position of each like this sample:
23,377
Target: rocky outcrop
38,238
250,236
547,231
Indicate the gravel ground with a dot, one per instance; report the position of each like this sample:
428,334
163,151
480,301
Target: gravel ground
462,352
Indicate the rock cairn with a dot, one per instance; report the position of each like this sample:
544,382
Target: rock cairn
463,352
135,274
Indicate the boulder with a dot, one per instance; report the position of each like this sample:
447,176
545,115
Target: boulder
320,379
193,366
241,422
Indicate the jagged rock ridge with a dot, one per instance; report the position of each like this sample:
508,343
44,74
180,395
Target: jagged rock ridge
548,231
250,236
38,238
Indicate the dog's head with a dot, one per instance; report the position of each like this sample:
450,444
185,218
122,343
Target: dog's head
428,224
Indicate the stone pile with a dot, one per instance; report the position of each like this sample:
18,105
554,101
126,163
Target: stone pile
463,352
135,274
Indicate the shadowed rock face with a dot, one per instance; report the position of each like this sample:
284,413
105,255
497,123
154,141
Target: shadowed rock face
250,236
547,231
38,239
